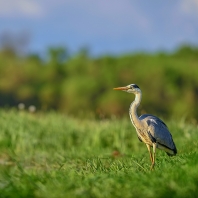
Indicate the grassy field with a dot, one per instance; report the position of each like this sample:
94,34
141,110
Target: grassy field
55,156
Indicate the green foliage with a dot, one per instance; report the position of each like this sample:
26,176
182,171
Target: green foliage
81,85
53,155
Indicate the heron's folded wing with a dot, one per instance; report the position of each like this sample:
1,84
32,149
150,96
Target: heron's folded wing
159,131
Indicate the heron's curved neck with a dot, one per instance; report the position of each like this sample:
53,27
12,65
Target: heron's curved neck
133,110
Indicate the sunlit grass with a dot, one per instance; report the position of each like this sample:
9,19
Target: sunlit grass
53,155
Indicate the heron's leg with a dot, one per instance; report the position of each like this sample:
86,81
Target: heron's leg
149,150
154,150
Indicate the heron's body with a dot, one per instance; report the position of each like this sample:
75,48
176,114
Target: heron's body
150,129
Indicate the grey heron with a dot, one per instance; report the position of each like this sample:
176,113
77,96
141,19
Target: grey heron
150,129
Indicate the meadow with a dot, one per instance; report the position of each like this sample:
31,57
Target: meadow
53,155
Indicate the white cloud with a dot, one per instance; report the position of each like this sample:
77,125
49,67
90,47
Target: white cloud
124,12
102,18
115,13
190,7
20,8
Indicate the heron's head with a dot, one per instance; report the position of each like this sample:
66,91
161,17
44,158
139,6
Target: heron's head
132,88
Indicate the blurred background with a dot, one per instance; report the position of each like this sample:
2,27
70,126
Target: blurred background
67,55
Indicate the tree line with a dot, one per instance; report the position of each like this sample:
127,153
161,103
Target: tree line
82,85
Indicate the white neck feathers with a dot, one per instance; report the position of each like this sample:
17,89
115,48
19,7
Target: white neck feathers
133,110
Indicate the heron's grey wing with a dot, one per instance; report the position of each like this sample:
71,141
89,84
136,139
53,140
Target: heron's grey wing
159,132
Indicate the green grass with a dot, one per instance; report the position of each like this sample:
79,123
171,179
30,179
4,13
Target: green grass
54,156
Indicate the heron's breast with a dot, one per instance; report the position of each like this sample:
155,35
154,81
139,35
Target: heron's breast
144,136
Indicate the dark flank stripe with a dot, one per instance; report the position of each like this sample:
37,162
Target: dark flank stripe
153,140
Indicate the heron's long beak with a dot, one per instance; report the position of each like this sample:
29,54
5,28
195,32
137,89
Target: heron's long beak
121,88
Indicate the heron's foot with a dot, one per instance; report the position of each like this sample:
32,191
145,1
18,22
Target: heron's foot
152,166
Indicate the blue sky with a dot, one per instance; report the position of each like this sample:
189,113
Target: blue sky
104,26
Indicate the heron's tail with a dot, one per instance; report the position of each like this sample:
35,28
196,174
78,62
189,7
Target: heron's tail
173,152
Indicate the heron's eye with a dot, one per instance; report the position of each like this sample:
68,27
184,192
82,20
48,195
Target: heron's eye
131,86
